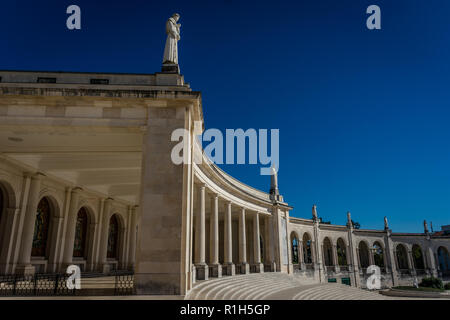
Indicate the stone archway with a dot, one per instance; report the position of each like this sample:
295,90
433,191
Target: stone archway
444,261
294,248
378,255
341,252
364,260
418,259
402,258
307,249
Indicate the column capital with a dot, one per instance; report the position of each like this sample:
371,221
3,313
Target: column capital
34,175
201,185
77,190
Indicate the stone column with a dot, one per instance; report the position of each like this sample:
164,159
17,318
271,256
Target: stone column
132,239
162,256
412,268
104,265
269,244
371,257
335,259
214,237
259,267
24,266
201,268
243,243
301,258
71,226
228,243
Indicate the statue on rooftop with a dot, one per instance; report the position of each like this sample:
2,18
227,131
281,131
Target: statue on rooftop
425,226
314,212
173,35
386,225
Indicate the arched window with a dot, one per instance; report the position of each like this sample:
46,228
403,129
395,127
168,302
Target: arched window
41,229
328,252
378,254
113,237
444,260
79,245
363,255
341,252
402,257
294,242
418,257
307,253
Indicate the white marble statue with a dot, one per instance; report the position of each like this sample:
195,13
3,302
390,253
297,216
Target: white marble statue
274,181
173,35
425,226
314,212
386,225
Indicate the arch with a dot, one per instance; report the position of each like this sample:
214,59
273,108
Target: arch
307,248
443,259
417,255
402,257
341,249
363,248
42,228
113,238
378,254
294,247
327,252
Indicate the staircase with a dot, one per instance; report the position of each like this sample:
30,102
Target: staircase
276,286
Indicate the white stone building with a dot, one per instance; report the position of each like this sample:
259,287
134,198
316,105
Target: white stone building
86,178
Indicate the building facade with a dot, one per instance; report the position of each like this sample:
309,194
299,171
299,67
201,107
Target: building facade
87,178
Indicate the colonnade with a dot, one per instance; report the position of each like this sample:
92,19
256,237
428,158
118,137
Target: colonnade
19,230
254,241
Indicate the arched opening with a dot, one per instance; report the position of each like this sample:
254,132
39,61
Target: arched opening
41,229
327,252
378,254
363,255
294,248
419,264
307,250
81,234
113,238
444,261
341,252
402,258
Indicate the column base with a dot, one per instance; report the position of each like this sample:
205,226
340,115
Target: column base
25,270
228,269
105,268
245,268
271,267
258,268
215,270
337,269
201,271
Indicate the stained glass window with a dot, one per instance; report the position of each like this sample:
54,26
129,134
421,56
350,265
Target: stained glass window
41,228
113,237
79,245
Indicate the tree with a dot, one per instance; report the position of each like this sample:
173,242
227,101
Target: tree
356,225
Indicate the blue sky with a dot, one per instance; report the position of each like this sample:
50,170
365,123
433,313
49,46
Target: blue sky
363,115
